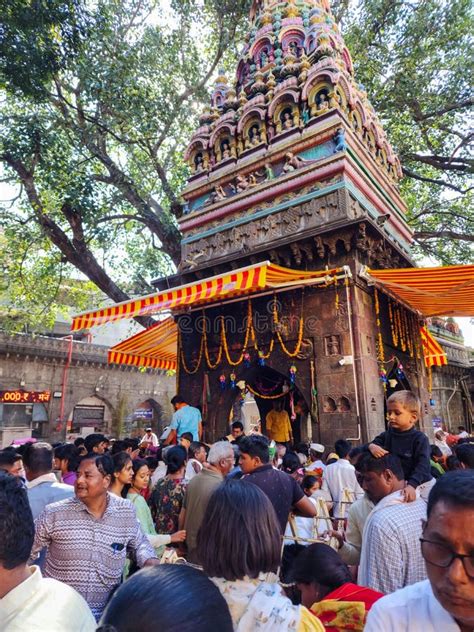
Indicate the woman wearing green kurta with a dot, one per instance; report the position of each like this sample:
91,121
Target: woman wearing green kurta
140,481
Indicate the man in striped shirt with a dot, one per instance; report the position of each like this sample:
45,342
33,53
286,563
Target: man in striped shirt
89,536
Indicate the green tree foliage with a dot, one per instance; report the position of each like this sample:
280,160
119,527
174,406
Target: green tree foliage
94,136
97,151
37,39
415,61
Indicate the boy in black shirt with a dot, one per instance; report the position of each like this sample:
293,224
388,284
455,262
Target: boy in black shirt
405,441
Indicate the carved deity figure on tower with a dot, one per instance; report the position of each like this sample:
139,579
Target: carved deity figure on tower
287,119
340,140
242,183
255,136
292,162
263,58
226,152
322,103
199,163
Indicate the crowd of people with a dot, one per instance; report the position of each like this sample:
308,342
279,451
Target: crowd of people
250,533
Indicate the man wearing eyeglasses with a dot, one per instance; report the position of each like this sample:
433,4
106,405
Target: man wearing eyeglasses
445,601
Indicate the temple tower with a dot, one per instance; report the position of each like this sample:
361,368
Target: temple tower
290,164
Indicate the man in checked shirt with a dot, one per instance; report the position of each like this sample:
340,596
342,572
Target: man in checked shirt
89,536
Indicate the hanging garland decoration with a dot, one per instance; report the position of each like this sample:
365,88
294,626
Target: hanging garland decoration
249,333
276,321
406,325
262,396
403,341
380,349
402,327
268,391
392,323
250,340
211,365
264,356
198,361
314,392
337,295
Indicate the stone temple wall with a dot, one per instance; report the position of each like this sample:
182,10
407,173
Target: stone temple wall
346,376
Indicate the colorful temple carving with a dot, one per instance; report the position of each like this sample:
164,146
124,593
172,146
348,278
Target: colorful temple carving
294,127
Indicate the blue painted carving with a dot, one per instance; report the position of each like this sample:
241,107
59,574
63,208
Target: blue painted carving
319,152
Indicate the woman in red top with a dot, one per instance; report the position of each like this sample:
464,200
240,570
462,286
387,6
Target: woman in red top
326,588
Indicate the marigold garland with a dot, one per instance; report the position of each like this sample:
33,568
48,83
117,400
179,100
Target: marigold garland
198,361
290,354
265,356
249,340
211,365
254,392
392,324
249,331
402,327
380,348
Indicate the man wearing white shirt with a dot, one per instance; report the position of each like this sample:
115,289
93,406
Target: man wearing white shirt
149,439
339,477
316,451
445,601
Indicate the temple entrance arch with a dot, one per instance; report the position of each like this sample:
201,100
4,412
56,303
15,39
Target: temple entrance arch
89,415
148,413
264,383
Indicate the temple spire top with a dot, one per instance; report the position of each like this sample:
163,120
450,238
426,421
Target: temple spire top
294,70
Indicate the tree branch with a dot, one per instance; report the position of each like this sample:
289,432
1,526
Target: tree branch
445,163
76,251
458,105
416,176
438,234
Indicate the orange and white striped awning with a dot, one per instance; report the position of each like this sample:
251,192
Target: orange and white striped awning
432,350
441,291
154,348
247,280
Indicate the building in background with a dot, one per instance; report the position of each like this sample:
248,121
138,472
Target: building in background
57,388
451,390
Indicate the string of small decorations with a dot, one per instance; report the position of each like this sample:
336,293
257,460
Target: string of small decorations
262,396
379,344
250,341
402,327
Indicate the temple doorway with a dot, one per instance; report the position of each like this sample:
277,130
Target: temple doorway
265,385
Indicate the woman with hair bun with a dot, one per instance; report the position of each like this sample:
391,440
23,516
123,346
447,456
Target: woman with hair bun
167,498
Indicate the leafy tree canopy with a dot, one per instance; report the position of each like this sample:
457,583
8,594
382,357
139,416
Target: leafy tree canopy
100,98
